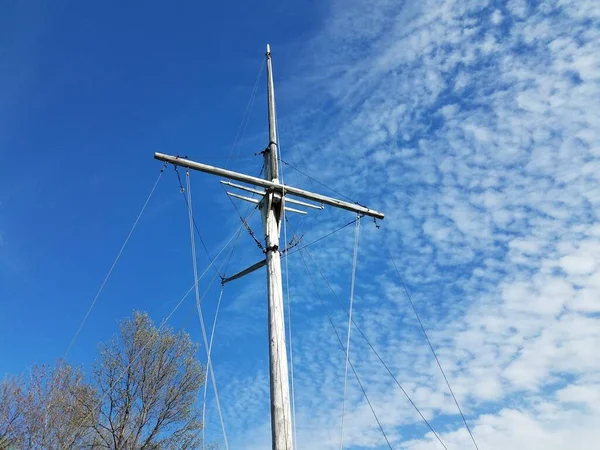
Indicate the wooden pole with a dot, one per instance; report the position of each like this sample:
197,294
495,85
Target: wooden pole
272,207
271,210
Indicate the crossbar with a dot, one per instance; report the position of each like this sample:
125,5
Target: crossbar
281,188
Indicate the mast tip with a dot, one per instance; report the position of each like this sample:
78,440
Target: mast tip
268,48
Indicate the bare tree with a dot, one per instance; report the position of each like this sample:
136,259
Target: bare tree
143,396
10,393
148,380
47,409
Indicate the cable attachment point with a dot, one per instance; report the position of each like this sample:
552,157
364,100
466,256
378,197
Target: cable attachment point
294,242
273,248
181,188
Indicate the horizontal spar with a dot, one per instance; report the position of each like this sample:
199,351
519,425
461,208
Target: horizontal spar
256,202
256,191
269,185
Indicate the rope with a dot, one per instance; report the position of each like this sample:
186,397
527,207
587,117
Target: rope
416,408
139,216
226,264
239,137
354,258
212,335
317,181
246,116
322,237
298,152
199,309
165,320
412,304
289,305
251,233
245,222
343,349
289,308
182,190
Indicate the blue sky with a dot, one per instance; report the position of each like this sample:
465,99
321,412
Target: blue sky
472,124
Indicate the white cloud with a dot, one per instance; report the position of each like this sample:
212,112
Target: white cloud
481,144
587,394
497,17
581,264
518,8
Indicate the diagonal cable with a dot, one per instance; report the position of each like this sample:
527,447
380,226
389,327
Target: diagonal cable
183,194
212,335
139,216
412,304
246,116
416,408
343,349
198,307
166,319
316,181
321,238
289,303
209,352
352,284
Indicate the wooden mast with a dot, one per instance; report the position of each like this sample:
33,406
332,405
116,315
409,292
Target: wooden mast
272,206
